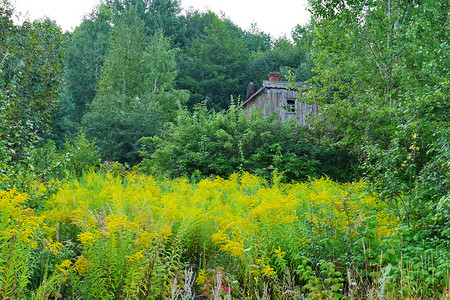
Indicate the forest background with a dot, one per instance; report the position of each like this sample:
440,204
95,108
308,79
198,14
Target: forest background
138,88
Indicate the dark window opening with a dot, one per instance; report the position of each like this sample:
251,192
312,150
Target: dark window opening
291,106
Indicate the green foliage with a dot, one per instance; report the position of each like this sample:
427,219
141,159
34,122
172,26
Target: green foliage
30,82
157,15
285,55
135,94
383,87
256,40
85,54
213,64
116,123
218,143
45,275
422,273
84,155
124,69
34,61
326,283
78,156
194,25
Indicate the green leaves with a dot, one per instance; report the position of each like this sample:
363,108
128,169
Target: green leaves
212,66
135,94
219,143
380,73
85,54
30,84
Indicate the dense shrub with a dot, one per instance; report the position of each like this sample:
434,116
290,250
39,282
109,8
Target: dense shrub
219,143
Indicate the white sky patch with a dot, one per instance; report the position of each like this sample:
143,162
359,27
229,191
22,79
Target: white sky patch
67,13
275,17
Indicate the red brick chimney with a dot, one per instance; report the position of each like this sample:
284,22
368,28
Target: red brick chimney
274,76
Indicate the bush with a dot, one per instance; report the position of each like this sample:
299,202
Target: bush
209,143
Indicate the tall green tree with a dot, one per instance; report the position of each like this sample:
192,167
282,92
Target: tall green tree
30,77
213,66
283,56
33,59
31,56
257,40
135,93
124,71
193,26
86,50
382,79
158,15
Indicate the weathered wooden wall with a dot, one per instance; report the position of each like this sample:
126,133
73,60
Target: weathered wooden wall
272,99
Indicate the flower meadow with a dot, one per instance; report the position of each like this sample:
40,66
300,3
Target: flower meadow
133,236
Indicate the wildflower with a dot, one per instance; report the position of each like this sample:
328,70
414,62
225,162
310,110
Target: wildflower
268,271
279,253
86,238
81,265
201,279
54,247
64,265
236,248
137,256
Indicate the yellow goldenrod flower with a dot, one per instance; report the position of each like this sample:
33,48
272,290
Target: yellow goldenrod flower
64,265
201,278
137,256
279,253
86,238
268,271
81,265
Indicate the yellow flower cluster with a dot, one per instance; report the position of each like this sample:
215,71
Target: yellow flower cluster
17,221
64,266
81,265
261,268
20,230
243,215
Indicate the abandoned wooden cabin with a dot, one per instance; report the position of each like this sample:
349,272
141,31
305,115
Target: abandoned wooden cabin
275,96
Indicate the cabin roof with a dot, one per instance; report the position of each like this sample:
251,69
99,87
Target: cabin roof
276,85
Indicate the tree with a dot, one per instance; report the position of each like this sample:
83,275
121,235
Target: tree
33,60
158,15
30,80
89,44
284,56
86,49
135,94
193,26
123,72
213,66
382,79
31,70
256,40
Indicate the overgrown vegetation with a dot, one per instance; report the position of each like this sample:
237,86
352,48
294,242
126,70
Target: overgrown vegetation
207,201
208,143
118,237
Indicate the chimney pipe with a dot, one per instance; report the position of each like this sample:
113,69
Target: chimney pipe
274,76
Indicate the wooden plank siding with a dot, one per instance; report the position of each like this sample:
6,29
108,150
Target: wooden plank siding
274,96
